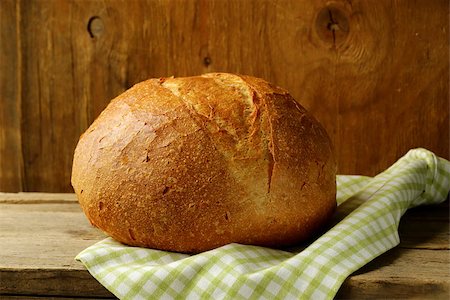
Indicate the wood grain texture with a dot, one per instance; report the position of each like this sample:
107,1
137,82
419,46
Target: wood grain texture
401,274
38,198
40,238
426,227
41,235
10,114
22,297
60,282
375,73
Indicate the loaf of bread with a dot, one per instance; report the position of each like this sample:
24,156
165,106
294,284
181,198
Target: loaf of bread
190,164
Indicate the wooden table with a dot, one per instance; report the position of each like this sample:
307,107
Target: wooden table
40,234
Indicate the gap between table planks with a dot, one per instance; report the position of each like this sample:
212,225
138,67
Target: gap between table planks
41,233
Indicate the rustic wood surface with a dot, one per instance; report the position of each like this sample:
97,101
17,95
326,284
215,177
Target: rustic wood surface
40,240
375,73
11,165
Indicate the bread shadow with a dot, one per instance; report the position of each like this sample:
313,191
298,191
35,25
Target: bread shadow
423,227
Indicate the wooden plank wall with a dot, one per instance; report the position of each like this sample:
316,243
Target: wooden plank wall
375,73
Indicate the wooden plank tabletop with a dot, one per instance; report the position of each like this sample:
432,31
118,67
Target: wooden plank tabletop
40,234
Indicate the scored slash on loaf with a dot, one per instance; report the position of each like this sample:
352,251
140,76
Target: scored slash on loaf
190,164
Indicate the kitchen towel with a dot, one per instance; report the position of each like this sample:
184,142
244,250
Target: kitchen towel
366,225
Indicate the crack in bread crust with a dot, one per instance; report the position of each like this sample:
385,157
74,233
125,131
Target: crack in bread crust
242,136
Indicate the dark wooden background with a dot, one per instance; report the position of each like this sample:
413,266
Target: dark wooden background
375,73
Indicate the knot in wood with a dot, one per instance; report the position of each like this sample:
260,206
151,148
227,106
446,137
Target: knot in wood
207,61
95,27
332,25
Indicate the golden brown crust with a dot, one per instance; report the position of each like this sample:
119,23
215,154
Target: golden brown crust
189,164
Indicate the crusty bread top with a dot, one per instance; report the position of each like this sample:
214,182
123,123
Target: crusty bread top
189,164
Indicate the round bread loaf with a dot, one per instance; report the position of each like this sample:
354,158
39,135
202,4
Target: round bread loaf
190,164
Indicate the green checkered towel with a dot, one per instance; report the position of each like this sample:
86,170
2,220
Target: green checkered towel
370,209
